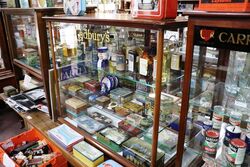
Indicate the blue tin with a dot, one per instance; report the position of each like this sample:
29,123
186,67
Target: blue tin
232,132
247,140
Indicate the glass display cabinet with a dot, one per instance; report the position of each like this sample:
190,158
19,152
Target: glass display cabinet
7,76
216,90
118,81
26,33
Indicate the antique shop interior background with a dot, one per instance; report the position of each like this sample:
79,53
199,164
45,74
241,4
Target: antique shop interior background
133,83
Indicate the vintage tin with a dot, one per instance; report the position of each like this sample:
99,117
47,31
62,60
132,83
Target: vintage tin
121,95
247,140
130,129
103,101
110,163
73,115
120,62
93,86
88,154
121,111
89,124
100,118
133,107
139,152
112,137
236,151
73,89
235,118
211,142
84,93
207,125
218,116
146,123
167,139
76,105
134,119
232,132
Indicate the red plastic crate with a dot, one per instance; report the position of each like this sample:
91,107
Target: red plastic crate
31,135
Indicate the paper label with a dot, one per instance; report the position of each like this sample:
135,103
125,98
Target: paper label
27,80
143,67
7,161
240,104
175,62
131,62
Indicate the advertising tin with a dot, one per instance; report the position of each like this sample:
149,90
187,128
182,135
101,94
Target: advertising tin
235,118
136,108
100,118
112,137
236,151
110,163
218,116
121,95
130,129
232,132
89,124
93,86
103,100
75,105
207,125
211,142
139,152
247,140
88,154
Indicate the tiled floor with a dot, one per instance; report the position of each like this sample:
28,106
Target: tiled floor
10,124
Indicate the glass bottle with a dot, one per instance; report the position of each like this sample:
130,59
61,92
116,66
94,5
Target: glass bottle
146,63
165,66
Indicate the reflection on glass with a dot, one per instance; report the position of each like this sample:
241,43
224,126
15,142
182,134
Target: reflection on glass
24,30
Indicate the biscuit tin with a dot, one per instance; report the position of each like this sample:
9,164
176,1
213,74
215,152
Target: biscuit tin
112,137
88,154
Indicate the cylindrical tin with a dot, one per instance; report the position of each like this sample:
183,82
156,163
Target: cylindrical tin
232,132
211,142
235,118
236,151
247,140
207,125
218,116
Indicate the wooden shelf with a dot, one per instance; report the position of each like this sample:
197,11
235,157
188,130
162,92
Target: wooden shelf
123,20
214,15
29,69
113,155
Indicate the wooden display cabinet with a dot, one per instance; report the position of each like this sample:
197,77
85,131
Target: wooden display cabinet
76,64
7,76
215,95
27,42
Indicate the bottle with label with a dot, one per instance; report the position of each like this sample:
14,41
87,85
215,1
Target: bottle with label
165,66
146,63
133,60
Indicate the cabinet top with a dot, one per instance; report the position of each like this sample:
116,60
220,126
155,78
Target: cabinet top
197,13
24,11
123,20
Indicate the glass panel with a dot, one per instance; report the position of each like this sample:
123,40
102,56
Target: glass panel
1,60
24,33
219,104
107,79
